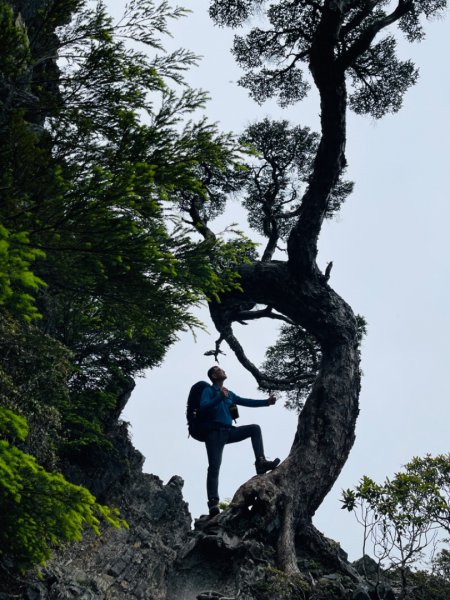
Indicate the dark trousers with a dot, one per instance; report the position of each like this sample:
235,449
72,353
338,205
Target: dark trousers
215,443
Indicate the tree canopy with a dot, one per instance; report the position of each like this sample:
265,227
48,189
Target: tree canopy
98,272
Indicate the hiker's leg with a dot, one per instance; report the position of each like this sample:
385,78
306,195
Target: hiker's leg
237,434
215,441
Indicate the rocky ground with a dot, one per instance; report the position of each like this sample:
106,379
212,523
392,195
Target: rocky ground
160,556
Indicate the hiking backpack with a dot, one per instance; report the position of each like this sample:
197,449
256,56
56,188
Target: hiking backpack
196,424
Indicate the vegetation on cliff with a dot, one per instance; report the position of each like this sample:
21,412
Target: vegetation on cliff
98,273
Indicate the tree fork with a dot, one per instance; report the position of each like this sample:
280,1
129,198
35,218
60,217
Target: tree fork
325,432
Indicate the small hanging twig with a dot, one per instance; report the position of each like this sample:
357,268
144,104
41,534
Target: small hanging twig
217,351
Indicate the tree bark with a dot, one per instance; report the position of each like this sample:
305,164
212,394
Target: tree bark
326,425
287,499
297,289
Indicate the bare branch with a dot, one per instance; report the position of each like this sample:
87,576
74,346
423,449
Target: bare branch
272,241
199,222
362,44
250,315
217,350
263,380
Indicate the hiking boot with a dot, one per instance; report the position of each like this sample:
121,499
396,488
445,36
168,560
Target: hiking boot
213,506
263,465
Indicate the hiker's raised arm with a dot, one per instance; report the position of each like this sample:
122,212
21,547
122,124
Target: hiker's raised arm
252,403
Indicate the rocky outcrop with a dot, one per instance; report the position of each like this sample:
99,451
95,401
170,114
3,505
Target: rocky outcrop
228,558
130,563
127,563
159,556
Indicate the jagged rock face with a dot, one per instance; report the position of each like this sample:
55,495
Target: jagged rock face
224,560
127,563
107,473
160,558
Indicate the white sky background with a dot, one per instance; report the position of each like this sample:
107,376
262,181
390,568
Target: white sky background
391,256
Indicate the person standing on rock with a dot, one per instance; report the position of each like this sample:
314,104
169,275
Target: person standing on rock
218,407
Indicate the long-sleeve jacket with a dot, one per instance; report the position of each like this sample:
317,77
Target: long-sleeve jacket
214,406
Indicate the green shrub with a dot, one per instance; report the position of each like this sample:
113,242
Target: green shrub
39,509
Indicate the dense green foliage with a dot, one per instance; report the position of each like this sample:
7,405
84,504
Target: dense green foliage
34,373
405,514
274,56
277,179
98,272
441,565
39,509
295,357
17,280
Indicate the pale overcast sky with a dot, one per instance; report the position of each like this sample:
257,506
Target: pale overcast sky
391,256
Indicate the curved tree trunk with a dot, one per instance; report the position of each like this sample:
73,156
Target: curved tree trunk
297,289
277,509
326,425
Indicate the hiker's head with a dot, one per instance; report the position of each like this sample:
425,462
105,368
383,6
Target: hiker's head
215,373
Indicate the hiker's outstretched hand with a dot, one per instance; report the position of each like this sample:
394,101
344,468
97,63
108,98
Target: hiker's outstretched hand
271,400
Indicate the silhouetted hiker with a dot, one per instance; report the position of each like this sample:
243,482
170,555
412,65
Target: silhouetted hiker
218,408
